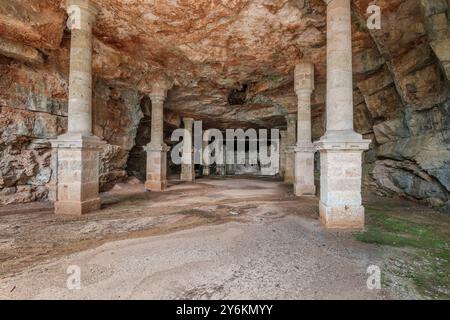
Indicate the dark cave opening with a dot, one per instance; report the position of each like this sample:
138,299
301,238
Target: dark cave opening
238,96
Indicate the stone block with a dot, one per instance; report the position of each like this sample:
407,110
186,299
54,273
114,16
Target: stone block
304,174
344,217
156,169
340,192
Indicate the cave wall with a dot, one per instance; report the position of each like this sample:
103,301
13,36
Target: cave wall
402,99
33,110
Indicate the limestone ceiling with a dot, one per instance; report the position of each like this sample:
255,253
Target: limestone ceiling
212,47
208,47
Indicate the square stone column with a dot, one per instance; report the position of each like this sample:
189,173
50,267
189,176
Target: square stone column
187,163
283,136
206,168
77,174
221,167
157,149
289,170
78,150
340,185
304,151
341,147
156,167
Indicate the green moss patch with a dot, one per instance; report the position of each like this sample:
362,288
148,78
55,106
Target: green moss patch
428,265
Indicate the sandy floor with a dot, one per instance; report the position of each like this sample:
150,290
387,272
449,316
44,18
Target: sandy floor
218,239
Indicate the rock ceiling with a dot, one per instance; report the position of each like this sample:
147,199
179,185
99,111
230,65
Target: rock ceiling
231,61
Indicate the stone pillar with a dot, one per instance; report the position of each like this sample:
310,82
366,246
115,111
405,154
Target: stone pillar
283,136
341,147
157,149
289,174
78,149
187,163
304,151
222,167
206,168
82,15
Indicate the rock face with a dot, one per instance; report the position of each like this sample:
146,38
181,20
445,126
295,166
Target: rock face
403,93
33,110
232,63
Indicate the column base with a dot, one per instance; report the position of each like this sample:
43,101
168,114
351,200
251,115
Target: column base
346,217
77,173
77,208
187,172
156,167
340,181
304,190
157,186
206,171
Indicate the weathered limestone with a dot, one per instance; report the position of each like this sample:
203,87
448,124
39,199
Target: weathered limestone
187,164
157,149
289,171
304,151
341,147
283,137
78,149
20,51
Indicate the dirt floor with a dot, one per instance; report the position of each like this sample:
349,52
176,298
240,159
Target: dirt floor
232,238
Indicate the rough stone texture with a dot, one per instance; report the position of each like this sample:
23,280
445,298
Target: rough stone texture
232,63
33,110
78,177
340,189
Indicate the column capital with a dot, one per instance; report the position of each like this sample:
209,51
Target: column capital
291,117
304,78
159,88
157,97
87,8
188,122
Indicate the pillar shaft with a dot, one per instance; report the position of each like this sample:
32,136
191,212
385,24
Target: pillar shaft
157,150
304,151
304,117
206,168
339,67
82,14
291,136
221,165
157,133
188,166
283,136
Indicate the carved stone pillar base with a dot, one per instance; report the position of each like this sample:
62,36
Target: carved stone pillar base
346,217
156,167
340,184
187,172
78,174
